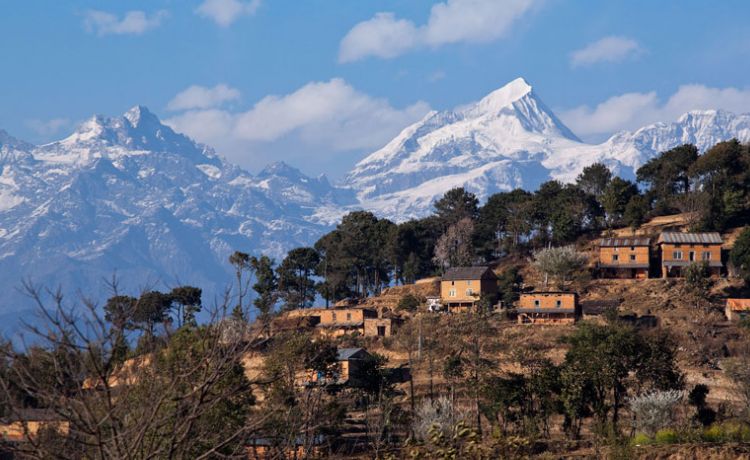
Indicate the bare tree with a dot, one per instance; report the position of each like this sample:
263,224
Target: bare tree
559,263
188,399
455,247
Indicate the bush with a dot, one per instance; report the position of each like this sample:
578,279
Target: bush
666,436
713,434
640,439
409,302
727,432
656,409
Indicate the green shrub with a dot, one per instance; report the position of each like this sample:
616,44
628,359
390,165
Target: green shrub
736,431
640,439
714,433
409,302
665,436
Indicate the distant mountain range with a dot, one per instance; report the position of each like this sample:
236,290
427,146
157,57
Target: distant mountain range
128,195
510,139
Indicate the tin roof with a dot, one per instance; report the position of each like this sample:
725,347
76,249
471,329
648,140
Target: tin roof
468,273
690,238
623,242
538,293
738,304
349,353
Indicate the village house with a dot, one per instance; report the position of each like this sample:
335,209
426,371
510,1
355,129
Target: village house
552,307
737,309
462,287
679,250
350,363
270,448
624,257
338,321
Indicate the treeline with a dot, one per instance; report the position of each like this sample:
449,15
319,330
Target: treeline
363,253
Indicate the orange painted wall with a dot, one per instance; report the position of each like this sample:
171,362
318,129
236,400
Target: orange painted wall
641,254
668,249
547,300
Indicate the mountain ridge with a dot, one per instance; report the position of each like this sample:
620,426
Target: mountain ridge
129,195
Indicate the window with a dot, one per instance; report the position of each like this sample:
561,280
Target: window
615,257
348,316
333,316
452,293
706,255
469,292
468,282
691,256
453,283
537,303
677,255
558,303
632,248
632,257
617,249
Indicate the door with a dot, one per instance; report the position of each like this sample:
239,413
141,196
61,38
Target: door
692,256
381,331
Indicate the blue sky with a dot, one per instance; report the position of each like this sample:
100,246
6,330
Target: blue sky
320,83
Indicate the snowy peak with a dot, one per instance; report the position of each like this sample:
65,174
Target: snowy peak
137,130
8,142
505,96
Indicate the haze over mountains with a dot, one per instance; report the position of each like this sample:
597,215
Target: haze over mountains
129,195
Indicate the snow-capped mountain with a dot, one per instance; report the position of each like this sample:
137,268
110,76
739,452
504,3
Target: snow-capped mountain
510,139
128,195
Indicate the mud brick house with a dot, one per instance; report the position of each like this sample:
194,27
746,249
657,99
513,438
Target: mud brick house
737,309
552,307
679,250
624,257
462,287
338,321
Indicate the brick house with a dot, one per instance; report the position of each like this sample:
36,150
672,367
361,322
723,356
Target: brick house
624,257
338,321
551,307
462,287
679,250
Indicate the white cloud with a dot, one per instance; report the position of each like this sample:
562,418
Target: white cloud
201,97
452,21
133,22
225,12
633,110
607,49
332,116
48,128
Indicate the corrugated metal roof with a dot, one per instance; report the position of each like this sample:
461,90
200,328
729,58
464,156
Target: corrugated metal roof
468,273
544,293
690,238
738,304
348,353
623,242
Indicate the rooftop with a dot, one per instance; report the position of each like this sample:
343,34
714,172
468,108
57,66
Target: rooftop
623,242
348,353
690,238
468,273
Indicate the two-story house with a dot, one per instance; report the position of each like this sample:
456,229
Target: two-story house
624,257
679,250
462,287
551,307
